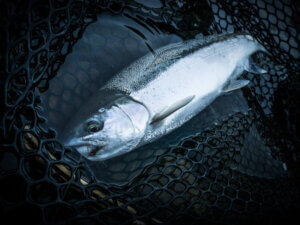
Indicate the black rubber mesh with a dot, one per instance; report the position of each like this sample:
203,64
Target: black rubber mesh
216,176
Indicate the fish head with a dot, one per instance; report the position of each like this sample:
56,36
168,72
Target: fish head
110,131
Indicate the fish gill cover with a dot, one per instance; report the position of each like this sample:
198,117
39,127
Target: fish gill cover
238,165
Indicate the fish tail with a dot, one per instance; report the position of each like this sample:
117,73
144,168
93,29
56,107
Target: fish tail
252,66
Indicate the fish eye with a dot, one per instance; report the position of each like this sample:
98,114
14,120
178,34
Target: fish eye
101,110
94,126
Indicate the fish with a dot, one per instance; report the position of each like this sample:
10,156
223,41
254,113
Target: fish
160,92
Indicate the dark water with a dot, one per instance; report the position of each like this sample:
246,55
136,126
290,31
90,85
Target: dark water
236,162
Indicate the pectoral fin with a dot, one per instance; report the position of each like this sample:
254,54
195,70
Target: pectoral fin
171,109
235,84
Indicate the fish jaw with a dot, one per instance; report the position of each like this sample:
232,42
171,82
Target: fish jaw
85,146
105,153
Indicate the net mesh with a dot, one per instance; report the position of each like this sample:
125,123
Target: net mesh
241,170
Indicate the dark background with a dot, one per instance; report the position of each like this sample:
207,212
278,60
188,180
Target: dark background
240,169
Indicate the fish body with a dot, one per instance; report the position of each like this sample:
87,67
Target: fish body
158,93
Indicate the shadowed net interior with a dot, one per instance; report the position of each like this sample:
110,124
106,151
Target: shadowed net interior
242,169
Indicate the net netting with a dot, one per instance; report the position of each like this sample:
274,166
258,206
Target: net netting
243,169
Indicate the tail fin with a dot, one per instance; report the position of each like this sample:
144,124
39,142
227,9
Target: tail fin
253,67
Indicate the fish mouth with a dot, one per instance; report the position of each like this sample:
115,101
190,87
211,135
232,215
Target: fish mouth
94,151
91,148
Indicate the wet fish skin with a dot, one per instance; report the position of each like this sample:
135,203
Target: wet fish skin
162,92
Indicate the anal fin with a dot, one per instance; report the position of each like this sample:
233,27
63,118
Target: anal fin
236,84
171,109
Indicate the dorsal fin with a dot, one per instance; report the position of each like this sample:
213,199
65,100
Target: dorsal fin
171,109
165,54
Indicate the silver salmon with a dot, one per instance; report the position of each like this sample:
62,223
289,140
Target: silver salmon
158,93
